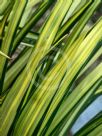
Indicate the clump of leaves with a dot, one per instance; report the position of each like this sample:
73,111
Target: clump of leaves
37,91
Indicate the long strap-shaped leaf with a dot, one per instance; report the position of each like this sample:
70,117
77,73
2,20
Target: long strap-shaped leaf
90,126
79,108
97,130
7,42
84,19
43,95
72,9
95,57
64,29
68,77
78,93
28,10
99,91
17,67
50,84
19,64
3,22
77,42
32,21
61,31
58,97
3,5
9,108
36,17
77,30
67,123
68,24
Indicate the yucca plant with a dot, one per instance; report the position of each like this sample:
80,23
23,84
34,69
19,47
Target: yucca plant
41,93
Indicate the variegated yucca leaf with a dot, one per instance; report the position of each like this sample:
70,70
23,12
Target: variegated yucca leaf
8,39
76,31
88,129
42,87
4,5
65,27
28,10
46,39
3,21
31,22
70,102
33,112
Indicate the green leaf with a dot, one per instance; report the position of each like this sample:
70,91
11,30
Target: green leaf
72,62
4,5
8,39
29,106
63,30
99,91
70,102
77,29
73,20
9,108
19,64
74,5
3,21
15,69
90,126
32,21
2,97
97,130
94,59
84,19
67,79
28,10
76,111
